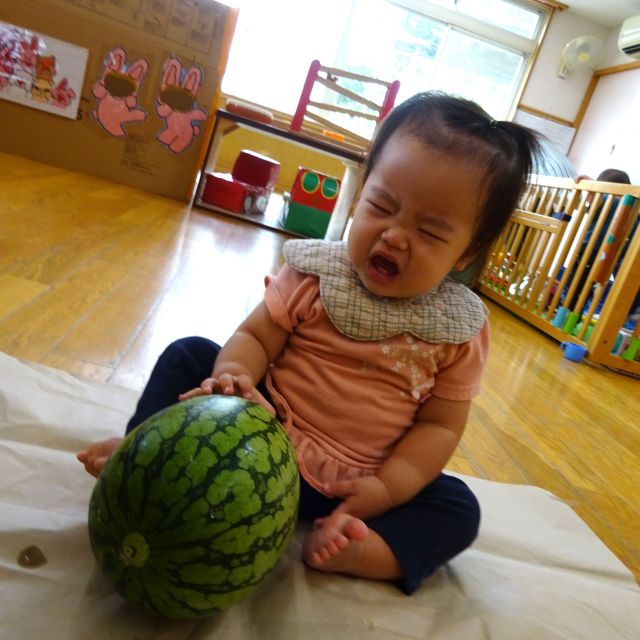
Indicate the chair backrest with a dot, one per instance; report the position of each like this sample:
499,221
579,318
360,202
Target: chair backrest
337,80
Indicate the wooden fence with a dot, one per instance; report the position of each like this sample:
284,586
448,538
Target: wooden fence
569,263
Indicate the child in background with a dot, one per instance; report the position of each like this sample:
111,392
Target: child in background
366,350
607,175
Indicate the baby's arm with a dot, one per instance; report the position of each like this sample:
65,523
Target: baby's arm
244,359
426,448
415,462
255,344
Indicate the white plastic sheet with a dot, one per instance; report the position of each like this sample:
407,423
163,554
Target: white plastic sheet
536,570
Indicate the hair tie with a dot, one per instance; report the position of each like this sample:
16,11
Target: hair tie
493,124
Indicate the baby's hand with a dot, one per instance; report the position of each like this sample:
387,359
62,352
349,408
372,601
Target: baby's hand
229,385
364,497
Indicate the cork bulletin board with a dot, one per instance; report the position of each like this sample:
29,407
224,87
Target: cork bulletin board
151,85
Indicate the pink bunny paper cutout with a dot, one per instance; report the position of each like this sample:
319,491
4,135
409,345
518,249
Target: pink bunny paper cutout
176,105
117,92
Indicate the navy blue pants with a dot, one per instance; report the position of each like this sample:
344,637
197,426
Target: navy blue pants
424,533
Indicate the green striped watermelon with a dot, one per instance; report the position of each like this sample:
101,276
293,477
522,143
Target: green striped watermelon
196,506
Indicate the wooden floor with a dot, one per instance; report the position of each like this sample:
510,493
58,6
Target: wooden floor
97,278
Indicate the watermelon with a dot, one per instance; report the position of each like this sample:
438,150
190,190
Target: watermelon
195,507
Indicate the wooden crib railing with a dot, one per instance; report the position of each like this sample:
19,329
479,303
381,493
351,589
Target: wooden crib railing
569,263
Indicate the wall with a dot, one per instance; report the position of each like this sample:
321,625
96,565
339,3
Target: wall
610,130
154,30
560,97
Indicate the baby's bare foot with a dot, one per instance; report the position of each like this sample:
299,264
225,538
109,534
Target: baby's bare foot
336,543
95,456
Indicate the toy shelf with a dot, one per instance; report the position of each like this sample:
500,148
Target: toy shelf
352,158
270,219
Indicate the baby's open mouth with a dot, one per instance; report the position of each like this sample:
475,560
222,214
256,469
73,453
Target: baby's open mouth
384,266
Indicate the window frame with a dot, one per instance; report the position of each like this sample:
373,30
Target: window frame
474,26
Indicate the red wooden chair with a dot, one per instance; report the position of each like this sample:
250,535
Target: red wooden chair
334,79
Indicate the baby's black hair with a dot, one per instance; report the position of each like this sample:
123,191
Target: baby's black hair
463,129
614,175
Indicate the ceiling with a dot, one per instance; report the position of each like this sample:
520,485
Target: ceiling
610,13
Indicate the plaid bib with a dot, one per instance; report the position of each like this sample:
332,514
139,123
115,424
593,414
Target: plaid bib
450,313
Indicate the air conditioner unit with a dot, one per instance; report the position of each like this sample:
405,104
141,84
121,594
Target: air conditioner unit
629,38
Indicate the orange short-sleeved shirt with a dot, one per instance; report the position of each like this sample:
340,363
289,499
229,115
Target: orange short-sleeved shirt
346,403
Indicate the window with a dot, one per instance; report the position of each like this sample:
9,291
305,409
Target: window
437,44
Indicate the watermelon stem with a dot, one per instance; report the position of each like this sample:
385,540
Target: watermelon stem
134,550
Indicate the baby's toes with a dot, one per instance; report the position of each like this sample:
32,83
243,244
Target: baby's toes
325,554
341,542
356,529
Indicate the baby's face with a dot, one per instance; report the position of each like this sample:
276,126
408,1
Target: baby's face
414,219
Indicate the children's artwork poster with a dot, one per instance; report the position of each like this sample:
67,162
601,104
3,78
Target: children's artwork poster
41,72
